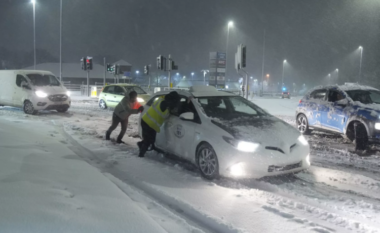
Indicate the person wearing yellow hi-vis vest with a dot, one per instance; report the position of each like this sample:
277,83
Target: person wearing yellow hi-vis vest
153,119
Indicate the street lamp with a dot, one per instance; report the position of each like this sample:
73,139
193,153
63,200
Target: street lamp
192,75
177,74
361,58
204,75
34,30
283,70
229,25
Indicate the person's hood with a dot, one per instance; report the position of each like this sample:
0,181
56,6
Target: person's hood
51,90
268,131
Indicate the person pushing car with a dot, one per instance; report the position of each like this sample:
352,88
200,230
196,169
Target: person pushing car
153,119
121,115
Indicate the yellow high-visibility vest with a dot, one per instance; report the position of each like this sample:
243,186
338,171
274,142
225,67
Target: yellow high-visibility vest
154,117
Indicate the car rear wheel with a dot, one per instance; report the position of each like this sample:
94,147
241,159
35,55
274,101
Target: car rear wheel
361,137
28,108
102,104
303,124
207,162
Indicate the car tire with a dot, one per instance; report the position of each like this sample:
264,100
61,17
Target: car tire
361,137
64,109
302,124
28,108
207,162
102,104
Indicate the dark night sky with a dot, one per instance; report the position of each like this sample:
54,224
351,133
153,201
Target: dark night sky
315,36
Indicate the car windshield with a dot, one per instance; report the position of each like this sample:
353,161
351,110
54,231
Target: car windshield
139,90
43,80
229,107
365,96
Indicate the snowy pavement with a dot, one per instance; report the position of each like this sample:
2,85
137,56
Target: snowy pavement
339,193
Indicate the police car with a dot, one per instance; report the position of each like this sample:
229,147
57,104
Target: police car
226,135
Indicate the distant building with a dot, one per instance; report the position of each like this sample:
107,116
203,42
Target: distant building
72,72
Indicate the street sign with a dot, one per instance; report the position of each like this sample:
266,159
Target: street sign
217,69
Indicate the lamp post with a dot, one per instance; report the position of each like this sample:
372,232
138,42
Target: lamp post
34,30
337,75
60,43
361,58
283,70
204,75
229,25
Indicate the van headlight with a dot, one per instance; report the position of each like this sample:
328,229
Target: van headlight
303,140
377,126
68,93
242,145
41,94
140,100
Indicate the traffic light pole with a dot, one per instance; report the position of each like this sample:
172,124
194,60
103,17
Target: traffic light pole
88,83
105,72
169,66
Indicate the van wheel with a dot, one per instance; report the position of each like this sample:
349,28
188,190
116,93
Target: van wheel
207,162
28,108
303,124
64,109
102,104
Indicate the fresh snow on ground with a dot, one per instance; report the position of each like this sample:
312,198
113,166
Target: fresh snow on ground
339,193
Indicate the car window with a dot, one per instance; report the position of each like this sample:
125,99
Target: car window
43,80
318,94
375,96
152,100
181,108
229,107
335,95
111,89
20,79
119,90
137,89
365,96
105,90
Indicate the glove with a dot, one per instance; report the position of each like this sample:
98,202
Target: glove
141,109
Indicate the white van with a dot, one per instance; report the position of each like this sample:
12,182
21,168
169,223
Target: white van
33,90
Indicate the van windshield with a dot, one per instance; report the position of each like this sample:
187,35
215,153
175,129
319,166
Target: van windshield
43,80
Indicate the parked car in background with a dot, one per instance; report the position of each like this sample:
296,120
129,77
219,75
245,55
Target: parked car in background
225,134
33,90
285,94
112,94
351,110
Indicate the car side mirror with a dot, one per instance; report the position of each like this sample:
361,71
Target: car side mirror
26,86
343,102
187,116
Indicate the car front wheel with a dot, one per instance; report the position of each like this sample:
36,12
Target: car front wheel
303,124
28,108
207,162
102,104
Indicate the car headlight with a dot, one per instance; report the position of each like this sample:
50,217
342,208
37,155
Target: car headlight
307,159
140,100
41,94
237,169
242,145
377,126
303,140
68,93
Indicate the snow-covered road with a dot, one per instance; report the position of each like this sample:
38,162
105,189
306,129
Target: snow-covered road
339,193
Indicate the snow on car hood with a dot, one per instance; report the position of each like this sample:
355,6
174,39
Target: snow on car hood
51,89
268,130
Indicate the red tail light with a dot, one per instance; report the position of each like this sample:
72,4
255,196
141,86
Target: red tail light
300,101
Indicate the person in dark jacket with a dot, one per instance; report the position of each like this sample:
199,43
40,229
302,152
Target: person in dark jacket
153,119
121,115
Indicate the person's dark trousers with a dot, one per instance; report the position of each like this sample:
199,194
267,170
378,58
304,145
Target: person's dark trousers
149,137
115,122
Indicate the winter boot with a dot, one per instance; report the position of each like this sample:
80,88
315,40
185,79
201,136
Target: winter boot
108,135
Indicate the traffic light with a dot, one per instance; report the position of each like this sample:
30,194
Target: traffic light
243,56
83,63
146,70
160,62
109,68
173,65
89,63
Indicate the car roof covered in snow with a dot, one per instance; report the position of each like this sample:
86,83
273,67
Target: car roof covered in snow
198,91
25,72
355,86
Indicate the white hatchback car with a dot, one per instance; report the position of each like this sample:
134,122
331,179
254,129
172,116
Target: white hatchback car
225,134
